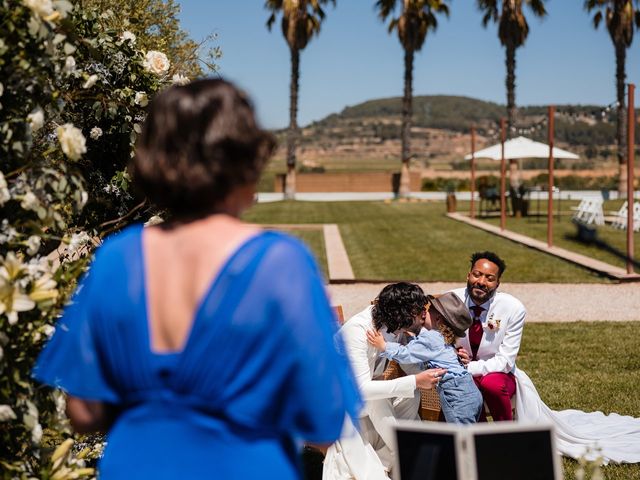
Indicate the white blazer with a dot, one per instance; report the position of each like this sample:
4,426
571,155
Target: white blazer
499,348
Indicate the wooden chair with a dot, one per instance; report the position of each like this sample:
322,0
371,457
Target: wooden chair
429,399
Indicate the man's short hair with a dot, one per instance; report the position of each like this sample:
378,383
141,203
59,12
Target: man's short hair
492,257
397,306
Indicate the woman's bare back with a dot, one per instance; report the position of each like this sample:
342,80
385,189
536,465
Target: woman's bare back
181,264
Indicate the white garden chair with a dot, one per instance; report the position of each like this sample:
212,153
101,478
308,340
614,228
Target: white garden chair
589,211
621,217
620,220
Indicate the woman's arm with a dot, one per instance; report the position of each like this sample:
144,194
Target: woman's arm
89,416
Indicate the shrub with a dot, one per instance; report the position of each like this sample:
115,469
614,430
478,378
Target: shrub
72,98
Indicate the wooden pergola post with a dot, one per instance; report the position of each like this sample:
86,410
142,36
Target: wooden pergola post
630,164
550,124
472,210
503,175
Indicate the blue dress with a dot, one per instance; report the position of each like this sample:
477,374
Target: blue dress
259,373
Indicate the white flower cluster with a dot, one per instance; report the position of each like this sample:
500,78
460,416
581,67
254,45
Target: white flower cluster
23,286
156,62
179,79
72,141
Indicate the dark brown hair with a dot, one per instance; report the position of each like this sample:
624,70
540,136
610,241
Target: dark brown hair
198,143
397,306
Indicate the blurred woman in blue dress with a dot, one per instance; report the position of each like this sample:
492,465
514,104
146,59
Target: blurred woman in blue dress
203,346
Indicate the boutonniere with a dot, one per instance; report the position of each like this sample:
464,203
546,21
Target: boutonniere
492,324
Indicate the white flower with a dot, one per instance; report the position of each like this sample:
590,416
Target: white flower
91,81
69,65
77,240
42,8
156,62
5,195
155,220
6,413
141,99
493,324
128,36
29,201
72,141
49,330
95,133
179,79
36,119
33,244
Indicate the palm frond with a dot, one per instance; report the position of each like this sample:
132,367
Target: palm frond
385,8
271,20
537,7
638,18
597,18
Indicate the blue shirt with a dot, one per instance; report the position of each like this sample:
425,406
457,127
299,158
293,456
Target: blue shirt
427,347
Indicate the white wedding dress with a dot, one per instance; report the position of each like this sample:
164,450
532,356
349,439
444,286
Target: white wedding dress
613,437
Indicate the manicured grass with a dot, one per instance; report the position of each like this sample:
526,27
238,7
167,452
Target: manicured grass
565,233
315,241
585,366
416,242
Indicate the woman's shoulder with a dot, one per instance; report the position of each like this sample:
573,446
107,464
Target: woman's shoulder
121,245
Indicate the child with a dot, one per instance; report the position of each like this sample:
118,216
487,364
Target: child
446,318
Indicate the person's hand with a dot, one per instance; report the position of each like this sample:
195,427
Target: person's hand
429,378
376,339
464,356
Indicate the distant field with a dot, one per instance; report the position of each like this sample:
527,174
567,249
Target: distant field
415,242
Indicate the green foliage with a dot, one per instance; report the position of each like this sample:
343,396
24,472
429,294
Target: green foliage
553,355
157,27
73,92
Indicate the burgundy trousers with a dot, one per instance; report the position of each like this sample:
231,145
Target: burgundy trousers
497,389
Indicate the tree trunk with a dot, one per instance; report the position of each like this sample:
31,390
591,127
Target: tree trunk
621,118
405,189
514,174
292,133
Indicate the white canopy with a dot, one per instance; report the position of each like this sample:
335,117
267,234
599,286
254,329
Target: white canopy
521,147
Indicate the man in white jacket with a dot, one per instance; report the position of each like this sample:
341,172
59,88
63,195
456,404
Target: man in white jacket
368,453
493,340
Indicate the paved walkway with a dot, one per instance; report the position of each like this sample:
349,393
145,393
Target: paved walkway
545,302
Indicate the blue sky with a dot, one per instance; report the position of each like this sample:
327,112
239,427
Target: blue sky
354,59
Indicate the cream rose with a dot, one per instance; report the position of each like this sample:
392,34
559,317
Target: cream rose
128,36
36,119
91,81
95,133
179,79
141,99
72,141
42,8
156,62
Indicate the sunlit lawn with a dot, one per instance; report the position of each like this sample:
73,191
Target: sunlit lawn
565,232
415,242
585,366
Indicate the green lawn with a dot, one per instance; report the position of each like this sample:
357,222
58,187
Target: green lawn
565,232
585,366
415,242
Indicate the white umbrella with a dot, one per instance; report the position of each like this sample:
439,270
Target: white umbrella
521,147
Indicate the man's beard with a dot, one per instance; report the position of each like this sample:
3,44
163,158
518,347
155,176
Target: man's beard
488,292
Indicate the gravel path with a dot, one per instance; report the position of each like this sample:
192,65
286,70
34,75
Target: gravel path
545,302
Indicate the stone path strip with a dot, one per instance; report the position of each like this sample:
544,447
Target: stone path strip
597,266
337,258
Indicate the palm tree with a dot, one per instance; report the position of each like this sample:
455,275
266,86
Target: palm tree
619,17
418,17
512,31
301,20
